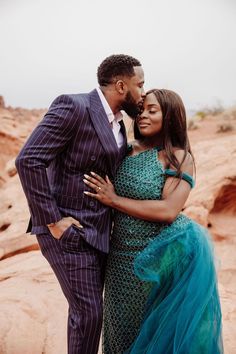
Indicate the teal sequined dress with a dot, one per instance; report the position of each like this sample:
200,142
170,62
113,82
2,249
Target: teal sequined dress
160,290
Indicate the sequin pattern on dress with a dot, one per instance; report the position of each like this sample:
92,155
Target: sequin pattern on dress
139,177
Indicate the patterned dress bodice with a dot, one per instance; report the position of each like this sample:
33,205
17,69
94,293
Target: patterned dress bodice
140,177
152,265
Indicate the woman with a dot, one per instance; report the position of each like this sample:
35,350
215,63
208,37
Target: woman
160,290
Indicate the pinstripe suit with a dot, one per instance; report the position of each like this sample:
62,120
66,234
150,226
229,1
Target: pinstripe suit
73,138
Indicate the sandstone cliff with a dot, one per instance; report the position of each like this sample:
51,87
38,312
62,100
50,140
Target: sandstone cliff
32,307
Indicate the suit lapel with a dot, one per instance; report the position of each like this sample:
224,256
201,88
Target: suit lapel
103,129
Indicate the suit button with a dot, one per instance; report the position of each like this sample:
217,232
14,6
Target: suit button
93,158
91,204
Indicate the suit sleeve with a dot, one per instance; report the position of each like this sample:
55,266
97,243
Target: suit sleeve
45,143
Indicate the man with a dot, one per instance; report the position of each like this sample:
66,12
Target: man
79,134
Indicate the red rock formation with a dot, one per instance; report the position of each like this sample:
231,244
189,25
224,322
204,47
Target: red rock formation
2,102
32,307
16,125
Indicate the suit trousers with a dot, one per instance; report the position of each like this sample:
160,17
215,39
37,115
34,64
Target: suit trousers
80,270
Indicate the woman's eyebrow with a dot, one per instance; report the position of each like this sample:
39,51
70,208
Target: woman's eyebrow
152,105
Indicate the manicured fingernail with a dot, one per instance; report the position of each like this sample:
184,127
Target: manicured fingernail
92,173
87,176
85,181
85,192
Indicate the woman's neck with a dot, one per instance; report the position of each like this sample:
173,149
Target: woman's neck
150,143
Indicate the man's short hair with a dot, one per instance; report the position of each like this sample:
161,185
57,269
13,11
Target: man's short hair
116,65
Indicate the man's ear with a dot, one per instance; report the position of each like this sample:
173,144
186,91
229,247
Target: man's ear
120,86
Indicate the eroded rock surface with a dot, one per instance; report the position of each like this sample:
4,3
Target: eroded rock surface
33,310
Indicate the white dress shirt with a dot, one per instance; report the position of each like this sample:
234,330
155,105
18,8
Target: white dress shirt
113,119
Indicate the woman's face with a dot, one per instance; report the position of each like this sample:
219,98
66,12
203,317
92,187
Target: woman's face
150,120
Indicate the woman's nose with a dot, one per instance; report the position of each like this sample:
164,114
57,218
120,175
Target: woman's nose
142,115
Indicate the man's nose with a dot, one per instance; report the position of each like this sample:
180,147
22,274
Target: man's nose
143,93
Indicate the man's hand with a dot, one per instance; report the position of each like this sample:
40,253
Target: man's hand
60,227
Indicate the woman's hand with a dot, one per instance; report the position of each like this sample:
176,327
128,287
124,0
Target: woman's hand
104,189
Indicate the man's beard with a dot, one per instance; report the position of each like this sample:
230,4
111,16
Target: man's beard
130,106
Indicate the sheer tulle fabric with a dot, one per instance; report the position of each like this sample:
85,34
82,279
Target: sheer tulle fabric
183,313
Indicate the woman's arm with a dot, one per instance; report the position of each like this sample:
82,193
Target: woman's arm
175,194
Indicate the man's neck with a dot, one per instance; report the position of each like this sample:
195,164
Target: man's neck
110,95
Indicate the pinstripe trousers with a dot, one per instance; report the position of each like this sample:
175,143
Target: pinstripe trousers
80,270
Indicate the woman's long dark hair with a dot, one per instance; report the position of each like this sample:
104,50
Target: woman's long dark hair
174,126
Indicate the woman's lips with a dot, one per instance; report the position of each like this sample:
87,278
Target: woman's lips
143,125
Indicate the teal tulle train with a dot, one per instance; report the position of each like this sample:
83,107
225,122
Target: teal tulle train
183,314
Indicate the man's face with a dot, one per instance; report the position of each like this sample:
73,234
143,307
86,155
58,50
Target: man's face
135,94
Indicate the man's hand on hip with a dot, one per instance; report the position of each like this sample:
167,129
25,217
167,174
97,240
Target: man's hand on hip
60,226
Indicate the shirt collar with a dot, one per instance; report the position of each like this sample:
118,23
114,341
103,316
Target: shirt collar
110,115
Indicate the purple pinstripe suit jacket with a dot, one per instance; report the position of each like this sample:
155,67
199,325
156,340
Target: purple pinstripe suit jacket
73,138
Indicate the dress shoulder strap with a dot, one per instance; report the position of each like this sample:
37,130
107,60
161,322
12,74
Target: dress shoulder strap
185,176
